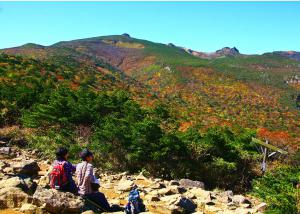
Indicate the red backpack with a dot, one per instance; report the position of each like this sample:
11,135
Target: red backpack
58,176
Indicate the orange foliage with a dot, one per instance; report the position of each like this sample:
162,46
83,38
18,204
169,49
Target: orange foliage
278,138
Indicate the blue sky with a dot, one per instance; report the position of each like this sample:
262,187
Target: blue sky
253,27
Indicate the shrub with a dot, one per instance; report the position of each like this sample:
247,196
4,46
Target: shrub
278,189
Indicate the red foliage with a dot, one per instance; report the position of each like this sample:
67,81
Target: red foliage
274,136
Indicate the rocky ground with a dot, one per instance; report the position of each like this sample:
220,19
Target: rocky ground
24,180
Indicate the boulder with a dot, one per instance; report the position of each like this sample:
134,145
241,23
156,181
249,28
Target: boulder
157,185
239,199
174,183
13,182
12,197
224,197
170,199
200,193
187,183
27,167
29,209
44,181
125,185
140,177
6,152
186,204
57,202
260,208
170,190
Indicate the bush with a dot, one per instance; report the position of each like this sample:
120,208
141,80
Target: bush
221,157
278,189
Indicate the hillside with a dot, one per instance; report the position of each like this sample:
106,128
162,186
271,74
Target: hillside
253,91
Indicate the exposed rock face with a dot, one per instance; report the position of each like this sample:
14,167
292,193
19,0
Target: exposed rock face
228,51
57,202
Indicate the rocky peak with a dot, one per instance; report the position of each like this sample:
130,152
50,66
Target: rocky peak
126,35
227,51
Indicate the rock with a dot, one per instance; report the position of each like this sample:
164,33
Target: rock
29,209
190,195
260,208
239,199
12,182
44,181
2,143
125,185
57,202
174,183
2,165
187,183
140,177
153,193
200,193
186,204
107,186
27,167
227,51
6,152
170,199
157,185
171,190
152,198
224,197
246,205
8,170
88,212
232,206
126,35
12,197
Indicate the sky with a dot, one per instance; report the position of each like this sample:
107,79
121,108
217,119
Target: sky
252,27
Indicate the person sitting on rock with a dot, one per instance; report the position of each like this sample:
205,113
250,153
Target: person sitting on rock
85,173
62,171
97,200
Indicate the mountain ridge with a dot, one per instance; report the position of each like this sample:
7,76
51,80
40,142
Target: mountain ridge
172,74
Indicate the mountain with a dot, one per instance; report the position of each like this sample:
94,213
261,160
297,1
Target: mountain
289,54
224,88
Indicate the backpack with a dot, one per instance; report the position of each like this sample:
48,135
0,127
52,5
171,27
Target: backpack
58,176
135,203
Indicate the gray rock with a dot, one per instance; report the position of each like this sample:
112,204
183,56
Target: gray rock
125,185
186,204
57,202
187,183
6,152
